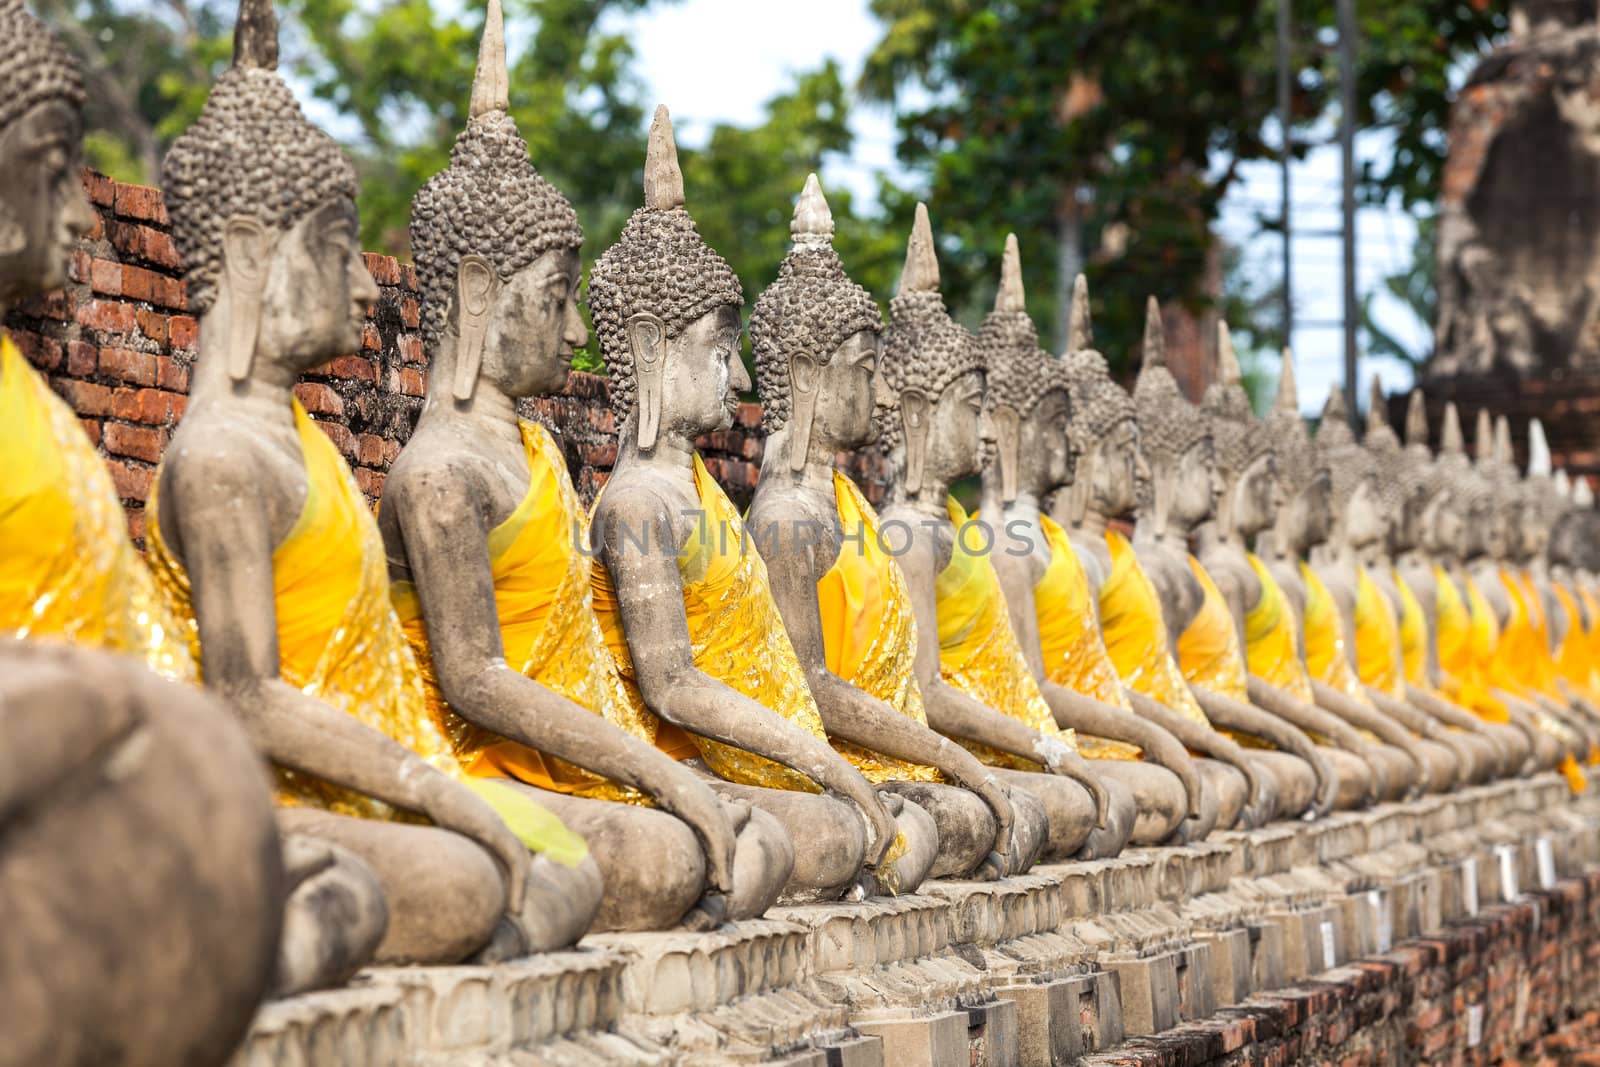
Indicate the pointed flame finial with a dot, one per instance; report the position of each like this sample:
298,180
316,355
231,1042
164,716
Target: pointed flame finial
921,273
1228,371
1563,485
663,178
491,87
1288,399
1155,335
1334,410
1417,419
1582,494
1080,325
255,35
1011,296
813,219
1539,462
1377,405
1483,437
1452,442
1502,440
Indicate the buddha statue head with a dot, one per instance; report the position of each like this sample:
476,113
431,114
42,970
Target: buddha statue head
496,249
1105,425
1358,519
43,210
1246,462
1175,437
1542,503
1305,516
937,428
666,314
1029,395
816,336
1502,500
1430,508
263,208
1465,515
1389,464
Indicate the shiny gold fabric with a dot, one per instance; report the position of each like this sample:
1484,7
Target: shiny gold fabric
1378,656
1572,659
978,653
1208,648
1074,653
869,630
548,631
1134,629
340,642
1413,633
736,633
1462,676
67,569
1271,645
1327,653
1524,650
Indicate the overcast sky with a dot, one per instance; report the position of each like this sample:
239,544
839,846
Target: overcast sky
718,60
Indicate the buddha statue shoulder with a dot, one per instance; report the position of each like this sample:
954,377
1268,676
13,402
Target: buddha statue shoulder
683,596
270,559
1179,495
138,820
1047,593
485,539
817,340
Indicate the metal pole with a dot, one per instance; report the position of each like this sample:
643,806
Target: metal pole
1347,143
1285,18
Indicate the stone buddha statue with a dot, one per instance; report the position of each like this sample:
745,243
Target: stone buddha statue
847,608
974,678
273,565
1046,592
1568,564
139,851
1180,494
484,535
1546,502
1265,618
683,597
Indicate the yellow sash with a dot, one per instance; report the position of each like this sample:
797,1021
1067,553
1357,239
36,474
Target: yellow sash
67,569
1208,649
1135,633
978,653
1075,656
869,630
340,641
1458,637
1524,652
1327,654
1591,633
1413,633
737,637
547,628
1572,661
1378,655
1271,647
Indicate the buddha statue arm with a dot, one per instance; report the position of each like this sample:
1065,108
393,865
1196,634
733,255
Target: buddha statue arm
649,592
1394,721
446,548
1085,714
1231,715
227,552
1319,721
1443,711
1206,741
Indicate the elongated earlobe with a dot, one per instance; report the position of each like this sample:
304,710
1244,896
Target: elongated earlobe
803,373
477,285
647,340
246,246
914,420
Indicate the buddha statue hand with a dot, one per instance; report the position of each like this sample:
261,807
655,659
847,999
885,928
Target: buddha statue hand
452,806
1059,759
1263,803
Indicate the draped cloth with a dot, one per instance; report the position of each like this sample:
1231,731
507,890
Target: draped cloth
340,642
1413,633
1134,630
1523,653
1208,648
1327,652
869,630
1379,658
1573,662
1075,655
67,569
736,634
978,652
548,631
1272,647
1457,636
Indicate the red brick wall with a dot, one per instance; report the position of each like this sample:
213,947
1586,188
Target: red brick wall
117,343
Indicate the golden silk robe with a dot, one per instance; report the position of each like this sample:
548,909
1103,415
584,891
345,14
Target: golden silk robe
1272,647
1075,655
67,569
1379,659
737,637
869,630
979,653
1134,630
548,631
1327,652
1463,675
1208,648
340,642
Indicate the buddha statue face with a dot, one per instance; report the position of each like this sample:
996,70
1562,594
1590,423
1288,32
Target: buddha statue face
1364,521
701,374
1307,517
1256,496
44,210
1044,456
849,392
530,325
1195,486
955,429
1439,528
1115,467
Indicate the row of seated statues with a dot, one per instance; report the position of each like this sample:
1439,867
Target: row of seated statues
294,738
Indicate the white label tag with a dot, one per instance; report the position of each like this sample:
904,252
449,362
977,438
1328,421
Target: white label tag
1547,862
1380,904
1469,885
1330,953
1474,1025
1508,873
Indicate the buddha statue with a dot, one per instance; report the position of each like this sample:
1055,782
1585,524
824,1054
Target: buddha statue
817,338
683,597
974,679
1180,494
1046,592
272,563
1265,619
139,851
484,536
1568,566
1108,466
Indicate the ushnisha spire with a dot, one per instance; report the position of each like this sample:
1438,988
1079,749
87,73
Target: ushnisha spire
1011,299
1298,462
1502,441
1346,460
1390,462
1539,463
1582,494
1154,351
925,350
1417,421
1080,324
1563,483
490,201
1239,436
1099,404
1483,438
1380,434
659,266
812,307
1020,373
1288,397
1451,440
1169,425
1334,429
255,35
921,272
